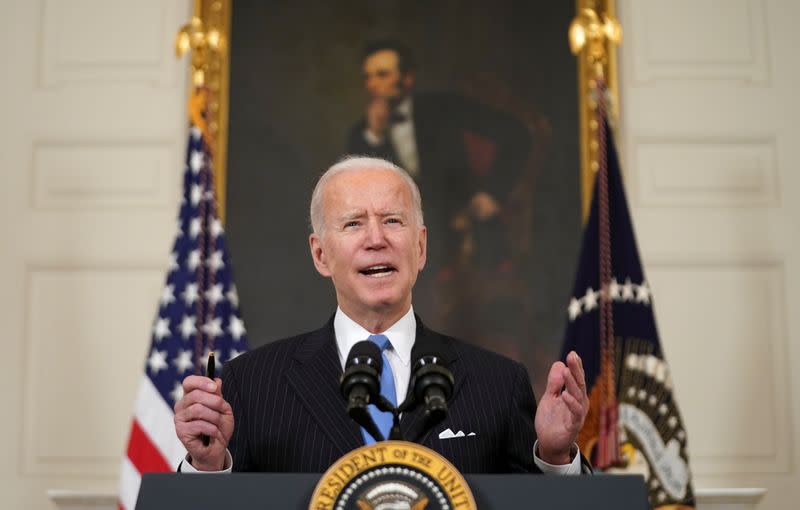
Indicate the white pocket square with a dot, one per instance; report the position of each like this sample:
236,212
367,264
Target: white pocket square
449,434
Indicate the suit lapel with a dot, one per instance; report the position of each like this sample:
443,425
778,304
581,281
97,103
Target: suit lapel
315,380
428,342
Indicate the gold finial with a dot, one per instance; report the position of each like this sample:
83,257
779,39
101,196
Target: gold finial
594,33
205,43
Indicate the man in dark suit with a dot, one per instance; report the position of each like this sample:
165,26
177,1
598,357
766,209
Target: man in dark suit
370,239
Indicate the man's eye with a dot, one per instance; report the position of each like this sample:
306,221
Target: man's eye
393,220
351,224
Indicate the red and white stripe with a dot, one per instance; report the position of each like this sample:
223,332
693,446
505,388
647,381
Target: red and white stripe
153,445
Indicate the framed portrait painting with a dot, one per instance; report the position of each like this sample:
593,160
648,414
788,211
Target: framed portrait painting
478,101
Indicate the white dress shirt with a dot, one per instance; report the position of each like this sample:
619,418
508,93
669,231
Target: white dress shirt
401,337
402,137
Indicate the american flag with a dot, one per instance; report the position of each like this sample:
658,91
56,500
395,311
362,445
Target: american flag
198,312
634,424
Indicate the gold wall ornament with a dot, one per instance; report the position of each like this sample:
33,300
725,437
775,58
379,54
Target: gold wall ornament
594,35
206,36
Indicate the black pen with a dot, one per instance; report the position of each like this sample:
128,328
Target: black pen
210,369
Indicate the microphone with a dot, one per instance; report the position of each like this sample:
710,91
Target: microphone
432,384
360,384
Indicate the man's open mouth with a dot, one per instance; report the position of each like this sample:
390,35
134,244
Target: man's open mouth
378,271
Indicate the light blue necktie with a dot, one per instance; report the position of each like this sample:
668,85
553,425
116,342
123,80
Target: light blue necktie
382,420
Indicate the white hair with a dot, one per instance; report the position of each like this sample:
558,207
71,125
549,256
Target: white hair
356,164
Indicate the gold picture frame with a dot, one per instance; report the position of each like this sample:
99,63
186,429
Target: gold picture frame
593,36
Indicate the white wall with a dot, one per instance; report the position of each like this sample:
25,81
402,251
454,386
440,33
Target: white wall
710,144
91,150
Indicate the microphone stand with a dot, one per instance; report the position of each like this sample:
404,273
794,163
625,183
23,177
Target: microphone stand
386,406
426,422
363,418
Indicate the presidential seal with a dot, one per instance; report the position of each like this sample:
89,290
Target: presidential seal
392,475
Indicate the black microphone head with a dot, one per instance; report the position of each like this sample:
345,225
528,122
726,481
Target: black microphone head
428,359
365,352
362,373
430,370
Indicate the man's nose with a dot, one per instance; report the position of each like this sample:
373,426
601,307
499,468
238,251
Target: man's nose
376,237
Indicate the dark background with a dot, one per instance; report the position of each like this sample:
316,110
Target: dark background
295,92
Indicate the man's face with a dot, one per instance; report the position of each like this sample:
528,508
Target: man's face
383,79
372,246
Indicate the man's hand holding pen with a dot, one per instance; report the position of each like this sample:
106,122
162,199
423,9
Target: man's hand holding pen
203,411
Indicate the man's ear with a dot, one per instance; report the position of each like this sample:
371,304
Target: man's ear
423,247
318,255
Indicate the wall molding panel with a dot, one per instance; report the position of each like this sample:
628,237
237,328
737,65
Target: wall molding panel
743,363
124,42
698,39
80,375
101,174
706,172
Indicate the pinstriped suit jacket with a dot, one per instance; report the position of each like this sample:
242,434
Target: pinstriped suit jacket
289,414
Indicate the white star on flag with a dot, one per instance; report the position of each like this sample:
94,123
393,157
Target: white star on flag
167,295
196,194
177,392
643,293
627,290
193,260
216,228
215,263
194,227
214,294
233,296
190,294
236,327
161,328
183,361
187,326
590,299
196,161
613,289
157,361
213,328
173,262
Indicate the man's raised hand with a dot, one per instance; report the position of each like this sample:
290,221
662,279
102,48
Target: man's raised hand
203,411
562,410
